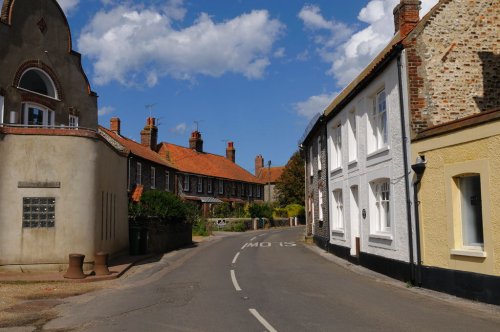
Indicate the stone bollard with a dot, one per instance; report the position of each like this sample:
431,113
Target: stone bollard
255,226
75,268
101,264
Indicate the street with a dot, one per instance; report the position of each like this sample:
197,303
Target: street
263,281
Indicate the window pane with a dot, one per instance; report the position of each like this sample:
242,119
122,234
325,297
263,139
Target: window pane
472,218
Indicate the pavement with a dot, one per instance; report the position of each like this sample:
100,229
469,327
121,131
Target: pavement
117,266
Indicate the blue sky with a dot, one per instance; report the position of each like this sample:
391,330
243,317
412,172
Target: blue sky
252,72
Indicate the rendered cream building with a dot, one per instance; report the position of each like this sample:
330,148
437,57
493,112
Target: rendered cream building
63,187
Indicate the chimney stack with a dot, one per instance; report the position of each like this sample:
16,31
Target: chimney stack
149,135
115,125
195,142
259,164
406,16
231,152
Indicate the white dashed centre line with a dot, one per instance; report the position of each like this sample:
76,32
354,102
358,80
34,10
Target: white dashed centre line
235,283
235,258
262,320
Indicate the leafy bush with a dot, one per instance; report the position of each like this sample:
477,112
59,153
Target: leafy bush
261,211
222,210
161,204
280,213
238,227
201,227
295,210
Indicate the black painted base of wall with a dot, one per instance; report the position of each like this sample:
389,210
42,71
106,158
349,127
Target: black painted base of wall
392,268
389,267
473,286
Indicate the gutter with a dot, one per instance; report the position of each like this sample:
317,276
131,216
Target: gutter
404,139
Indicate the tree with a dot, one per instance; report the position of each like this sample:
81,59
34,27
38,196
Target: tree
290,186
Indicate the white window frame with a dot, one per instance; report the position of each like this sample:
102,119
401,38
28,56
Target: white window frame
221,186
153,177
2,110
47,80
336,146
380,205
319,153
167,180
311,158
200,184
138,173
48,115
320,205
469,226
337,210
379,122
209,186
73,121
186,186
352,136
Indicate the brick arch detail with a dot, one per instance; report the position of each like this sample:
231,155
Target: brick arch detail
40,65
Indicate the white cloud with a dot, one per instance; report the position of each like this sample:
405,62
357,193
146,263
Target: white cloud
105,110
279,53
126,44
351,55
175,10
314,105
180,129
68,5
348,56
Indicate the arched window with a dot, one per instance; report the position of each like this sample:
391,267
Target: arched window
36,80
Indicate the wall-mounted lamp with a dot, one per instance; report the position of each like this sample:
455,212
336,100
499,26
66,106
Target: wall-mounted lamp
419,167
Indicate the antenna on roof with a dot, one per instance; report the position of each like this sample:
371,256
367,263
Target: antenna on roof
149,107
158,121
197,123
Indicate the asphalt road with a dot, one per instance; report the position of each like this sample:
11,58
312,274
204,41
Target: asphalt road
265,281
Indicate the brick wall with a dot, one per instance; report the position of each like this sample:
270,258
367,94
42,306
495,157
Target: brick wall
454,63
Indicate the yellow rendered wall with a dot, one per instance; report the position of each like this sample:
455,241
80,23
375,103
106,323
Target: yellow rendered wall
475,150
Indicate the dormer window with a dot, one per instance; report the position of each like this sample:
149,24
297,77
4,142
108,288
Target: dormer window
37,81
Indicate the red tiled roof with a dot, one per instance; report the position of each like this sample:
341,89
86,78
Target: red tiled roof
138,149
271,174
190,161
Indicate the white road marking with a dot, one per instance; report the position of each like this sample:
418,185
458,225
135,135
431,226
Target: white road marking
235,283
235,258
262,320
253,238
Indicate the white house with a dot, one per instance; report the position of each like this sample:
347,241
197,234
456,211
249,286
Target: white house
367,144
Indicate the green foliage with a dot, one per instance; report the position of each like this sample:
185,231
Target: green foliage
290,186
280,213
295,210
222,210
238,227
261,210
163,205
201,227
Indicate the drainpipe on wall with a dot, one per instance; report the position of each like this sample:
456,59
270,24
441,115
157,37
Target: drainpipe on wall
405,161
418,168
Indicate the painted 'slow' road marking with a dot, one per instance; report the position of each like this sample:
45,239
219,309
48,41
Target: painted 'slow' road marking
235,258
262,320
235,283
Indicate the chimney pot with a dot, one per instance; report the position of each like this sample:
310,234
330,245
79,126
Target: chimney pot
406,16
115,125
231,152
149,135
195,142
259,164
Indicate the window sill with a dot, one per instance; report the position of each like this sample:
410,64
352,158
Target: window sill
352,163
336,170
338,232
469,252
378,152
382,236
